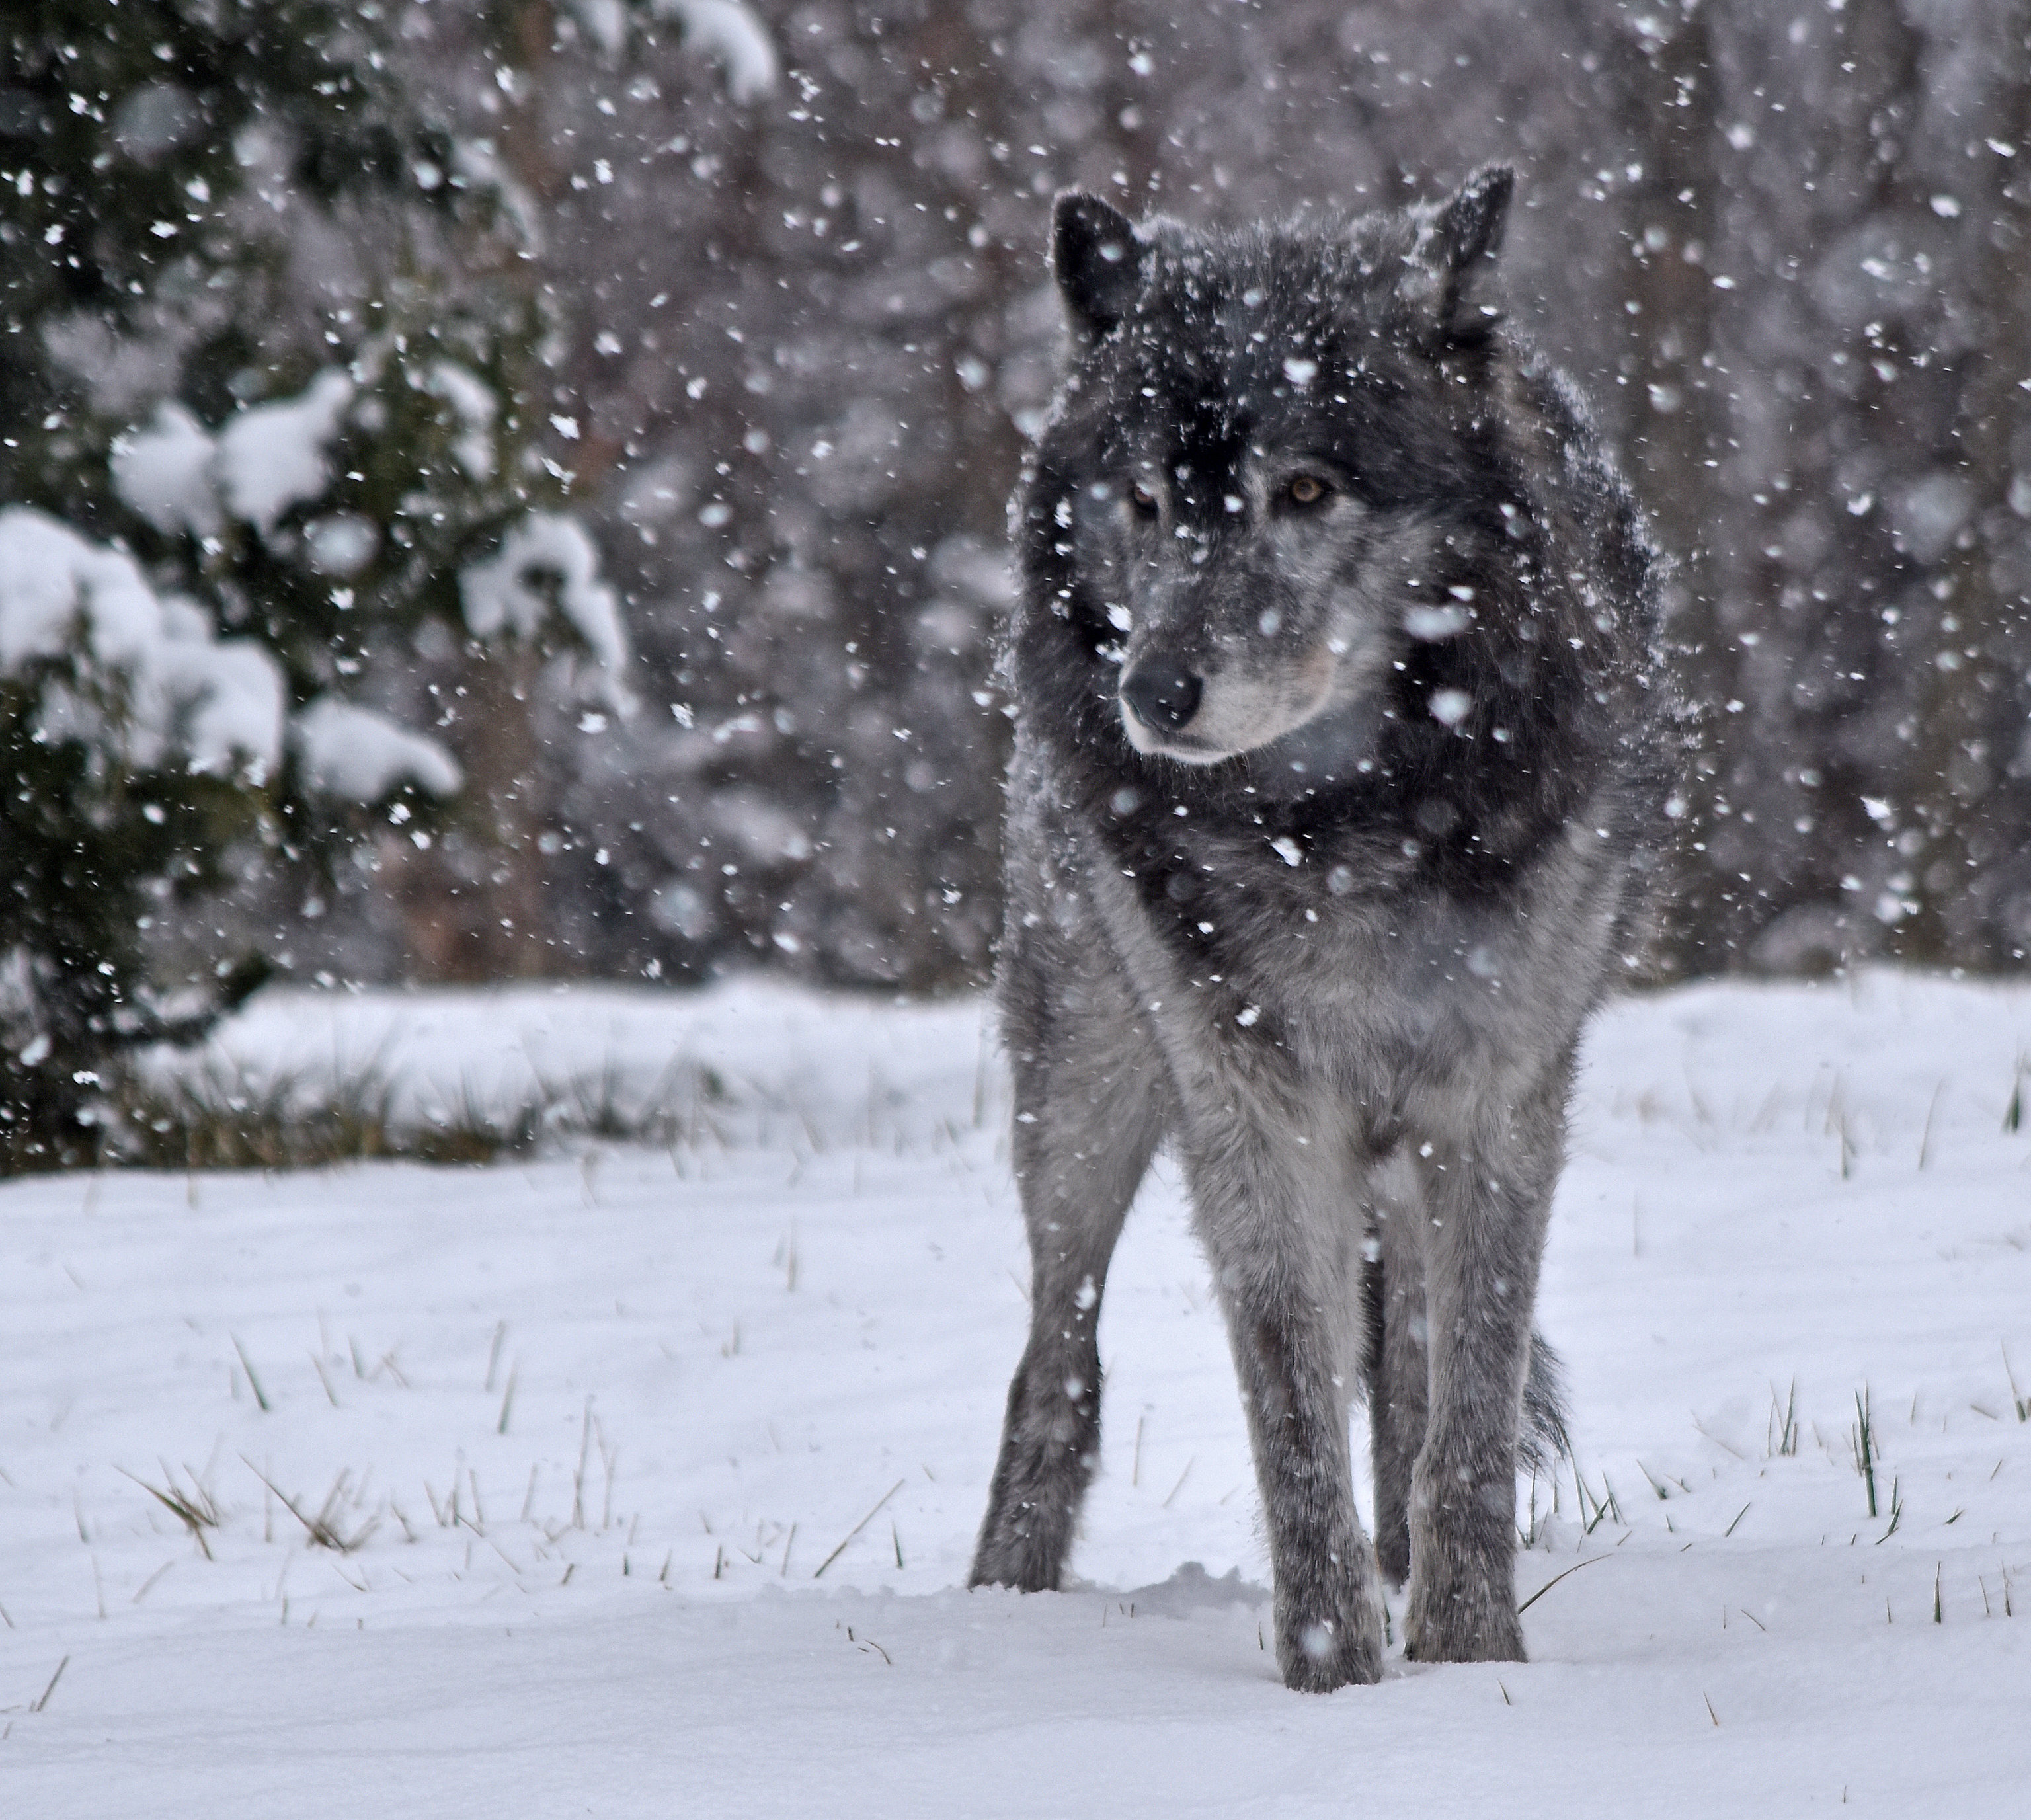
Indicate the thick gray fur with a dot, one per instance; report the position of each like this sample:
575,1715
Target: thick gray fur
1330,813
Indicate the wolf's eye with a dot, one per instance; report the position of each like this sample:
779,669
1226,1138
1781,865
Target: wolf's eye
1143,500
1307,489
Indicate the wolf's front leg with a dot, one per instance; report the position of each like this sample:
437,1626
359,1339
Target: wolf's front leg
1486,1208
1088,1101
1328,1617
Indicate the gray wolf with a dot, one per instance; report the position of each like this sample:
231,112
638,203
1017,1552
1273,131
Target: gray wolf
1337,781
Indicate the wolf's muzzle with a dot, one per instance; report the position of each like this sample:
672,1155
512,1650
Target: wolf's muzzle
1162,694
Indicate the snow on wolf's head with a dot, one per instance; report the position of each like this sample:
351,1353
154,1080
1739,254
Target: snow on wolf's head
1271,471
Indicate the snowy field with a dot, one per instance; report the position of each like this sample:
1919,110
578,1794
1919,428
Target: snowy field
640,1481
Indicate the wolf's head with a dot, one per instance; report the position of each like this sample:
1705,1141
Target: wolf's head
1272,474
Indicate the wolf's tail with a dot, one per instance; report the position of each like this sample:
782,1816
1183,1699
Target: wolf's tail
1545,1441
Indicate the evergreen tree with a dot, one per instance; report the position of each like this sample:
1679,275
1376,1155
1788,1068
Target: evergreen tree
262,330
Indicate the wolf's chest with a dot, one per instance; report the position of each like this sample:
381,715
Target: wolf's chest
1388,976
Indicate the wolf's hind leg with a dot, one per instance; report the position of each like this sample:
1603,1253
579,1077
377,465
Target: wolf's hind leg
1398,1360
1089,1112
1484,1235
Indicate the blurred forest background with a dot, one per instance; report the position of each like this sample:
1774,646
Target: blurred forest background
759,297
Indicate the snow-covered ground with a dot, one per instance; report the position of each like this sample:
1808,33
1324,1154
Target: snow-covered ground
656,1470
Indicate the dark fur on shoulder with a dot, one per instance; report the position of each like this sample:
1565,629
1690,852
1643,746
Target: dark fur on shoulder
1338,781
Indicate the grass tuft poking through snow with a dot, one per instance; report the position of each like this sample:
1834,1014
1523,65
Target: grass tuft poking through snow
196,1509
1861,1441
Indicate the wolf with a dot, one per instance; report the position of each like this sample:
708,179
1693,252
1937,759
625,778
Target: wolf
1336,793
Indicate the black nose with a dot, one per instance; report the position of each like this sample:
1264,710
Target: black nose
1163,693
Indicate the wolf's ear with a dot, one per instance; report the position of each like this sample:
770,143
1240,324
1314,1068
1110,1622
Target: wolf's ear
1100,260
1472,218
1454,260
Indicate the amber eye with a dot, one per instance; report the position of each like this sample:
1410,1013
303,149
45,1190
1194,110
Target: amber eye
1142,499
1307,490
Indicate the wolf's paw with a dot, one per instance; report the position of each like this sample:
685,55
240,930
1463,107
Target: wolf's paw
1461,1626
1318,1653
1020,1550
1017,1575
